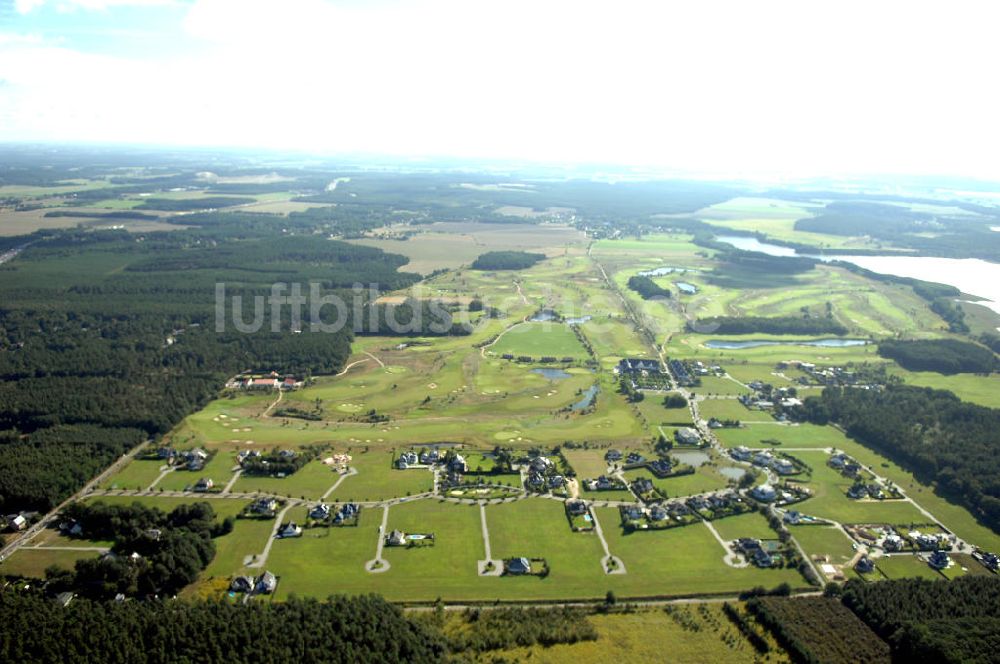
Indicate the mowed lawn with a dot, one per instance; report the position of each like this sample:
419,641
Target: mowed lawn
828,541
830,501
794,436
138,474
539,340
32,563
678,561
751,524
906,566
587,463
219,469
376,478
729,409
309,482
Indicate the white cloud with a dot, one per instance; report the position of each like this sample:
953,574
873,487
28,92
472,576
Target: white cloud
26,6
728,86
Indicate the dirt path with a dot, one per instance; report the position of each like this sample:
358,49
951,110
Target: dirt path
159,477
267,411
380,362
232,481
485,568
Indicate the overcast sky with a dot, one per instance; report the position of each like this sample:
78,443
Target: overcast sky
743,87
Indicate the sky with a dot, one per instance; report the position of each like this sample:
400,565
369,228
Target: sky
773,88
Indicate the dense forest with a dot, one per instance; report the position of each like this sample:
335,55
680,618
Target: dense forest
768,325
946,356
506,260
819,630
341,629
647,288
108,338
351,630
932,621
930,432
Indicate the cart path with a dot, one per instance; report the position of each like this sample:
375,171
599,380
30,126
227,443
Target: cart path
232,481
163,473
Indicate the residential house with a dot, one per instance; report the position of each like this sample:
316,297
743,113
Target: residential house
518,566
396,538
792,517
247,455
17,522
741,453
320,512
458,464
634,457
783,466
166,452
657,513
661,467
242,584
698,503
837,461
264,505
576,507
204,484
764,493
939,560
763,458
266,583
346,511
428,457
857,491
541,464
633,512
638,365
991,560
289,530
642,485
407,459
865,565
687,436
613,455
762,558
893,542
924,542
557,482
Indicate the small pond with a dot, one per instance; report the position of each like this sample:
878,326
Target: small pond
691,458
551,374
587,398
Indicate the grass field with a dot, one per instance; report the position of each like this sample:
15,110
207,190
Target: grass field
626,638
137,475
310,482
906,566
751,524
539,340
32,563
828,541
797,436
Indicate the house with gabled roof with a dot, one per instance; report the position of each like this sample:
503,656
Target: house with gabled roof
518,566
266,583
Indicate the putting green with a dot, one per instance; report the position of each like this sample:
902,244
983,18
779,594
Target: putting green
350,407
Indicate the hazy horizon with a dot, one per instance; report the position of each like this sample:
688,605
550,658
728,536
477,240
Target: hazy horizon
762,91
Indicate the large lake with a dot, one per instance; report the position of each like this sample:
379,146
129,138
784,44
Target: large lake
969,275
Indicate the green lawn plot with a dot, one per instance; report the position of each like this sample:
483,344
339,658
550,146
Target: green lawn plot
310,482
970,564
729,409
32,563
751,524
539,340
615,338
830,501
587,463
906,566
137,474
721,385
652,409
326,561
448,569
242,545
377,479
824,541
955,517
537,528
983,390
705,478
678,561
219,468
747,372
789,436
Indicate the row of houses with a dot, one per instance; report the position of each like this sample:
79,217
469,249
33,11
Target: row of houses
764,459
755,551
264,584
272,381
346,512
